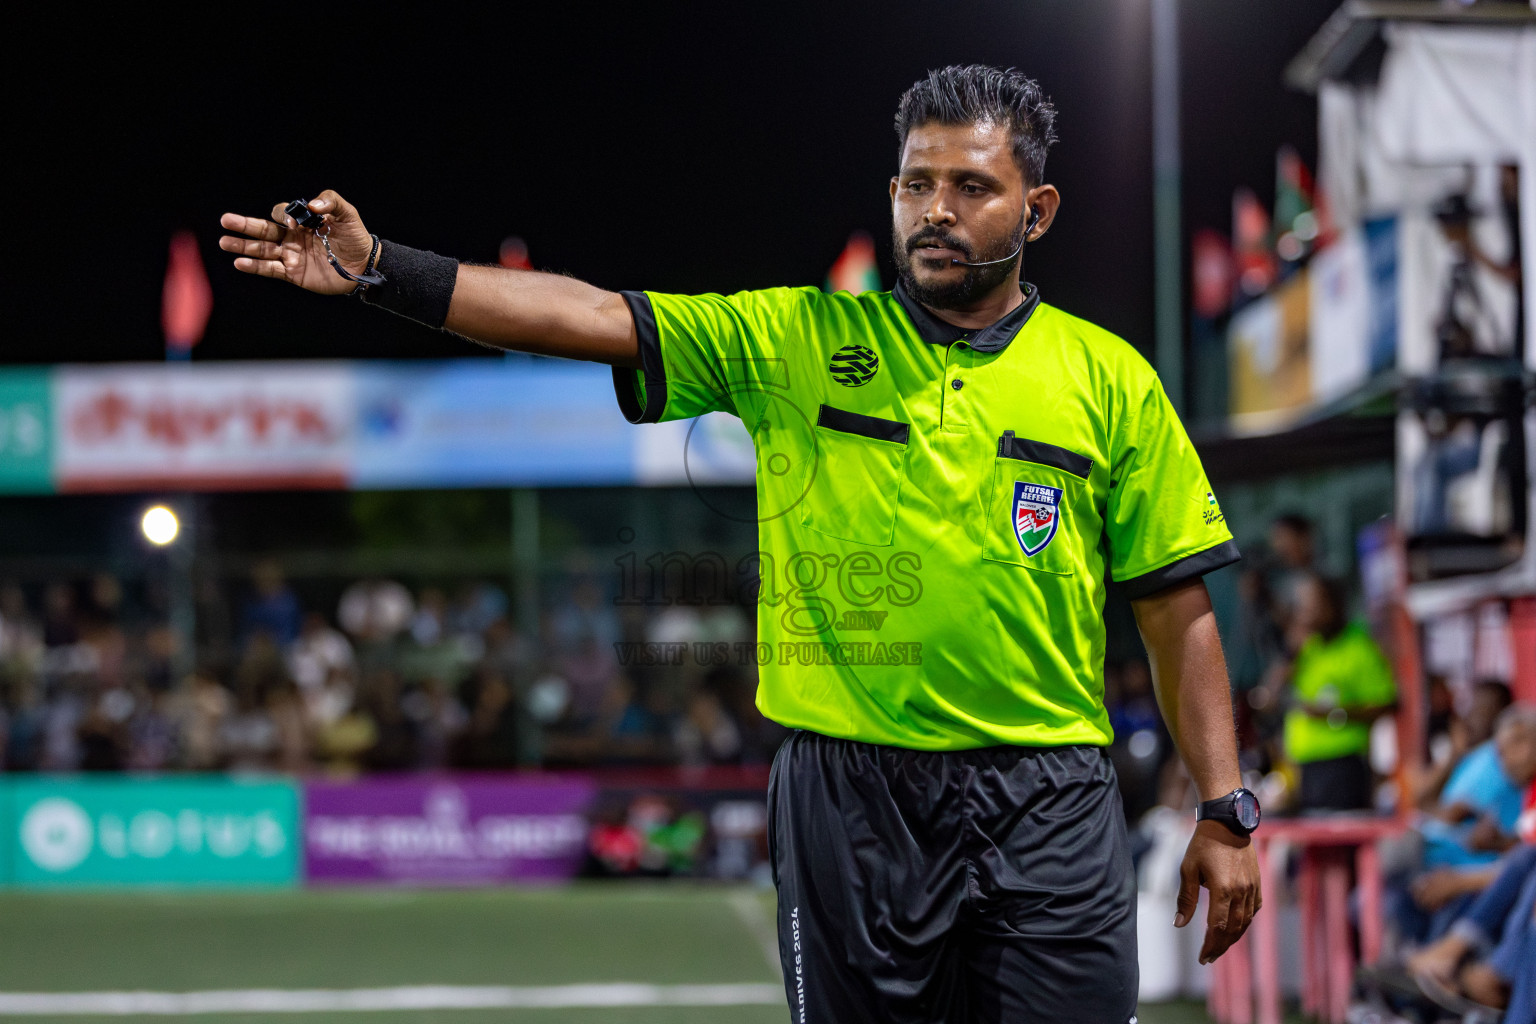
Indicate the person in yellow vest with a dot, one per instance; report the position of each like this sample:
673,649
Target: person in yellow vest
1340,683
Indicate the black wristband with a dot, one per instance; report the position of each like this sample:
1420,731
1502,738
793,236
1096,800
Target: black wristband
419,286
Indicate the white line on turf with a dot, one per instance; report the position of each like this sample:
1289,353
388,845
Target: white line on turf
414,997
749,910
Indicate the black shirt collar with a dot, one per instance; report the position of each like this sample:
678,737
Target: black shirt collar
992,338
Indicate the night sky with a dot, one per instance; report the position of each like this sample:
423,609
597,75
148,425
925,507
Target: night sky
677,147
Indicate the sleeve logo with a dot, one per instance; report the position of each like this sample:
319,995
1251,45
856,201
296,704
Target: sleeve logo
1213,513
1036,514
853,366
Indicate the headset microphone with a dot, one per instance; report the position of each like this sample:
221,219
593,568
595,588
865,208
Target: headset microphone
1034,215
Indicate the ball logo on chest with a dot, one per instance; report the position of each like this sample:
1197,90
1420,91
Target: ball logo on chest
853,366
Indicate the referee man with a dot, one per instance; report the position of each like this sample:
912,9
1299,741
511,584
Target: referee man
945,475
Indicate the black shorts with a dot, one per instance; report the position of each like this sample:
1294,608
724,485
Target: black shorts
977,886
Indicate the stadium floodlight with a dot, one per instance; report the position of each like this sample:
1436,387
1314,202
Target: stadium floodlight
160,525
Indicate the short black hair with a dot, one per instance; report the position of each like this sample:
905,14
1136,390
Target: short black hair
976,94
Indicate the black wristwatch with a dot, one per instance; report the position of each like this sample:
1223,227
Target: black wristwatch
1238,810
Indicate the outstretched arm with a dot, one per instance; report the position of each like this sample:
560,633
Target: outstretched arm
1190,675
514,309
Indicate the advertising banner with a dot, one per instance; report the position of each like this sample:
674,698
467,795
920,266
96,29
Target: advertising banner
374,425
446,831
1268,357
26,432
210,427
489,422
132,831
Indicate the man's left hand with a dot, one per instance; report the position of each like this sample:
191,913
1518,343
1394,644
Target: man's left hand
1225,864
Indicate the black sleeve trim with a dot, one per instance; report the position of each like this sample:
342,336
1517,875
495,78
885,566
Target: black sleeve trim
1186,568
1011,447
865,426
650,359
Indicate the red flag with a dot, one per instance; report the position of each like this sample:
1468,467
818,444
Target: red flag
514,254
1255,261
855,270
1211,275
187,300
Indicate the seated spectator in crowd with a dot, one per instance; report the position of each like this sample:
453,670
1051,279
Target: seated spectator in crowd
201,708
491,737
319,651
1473,820
1460,735
1340,682
1489,953
438,719
27,720
272,609
1477,825
394,747
290,722
707,734
21,636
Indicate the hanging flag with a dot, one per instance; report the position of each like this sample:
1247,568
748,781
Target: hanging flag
1295,223
187,299
855,270
1210,273
1255,262
514,254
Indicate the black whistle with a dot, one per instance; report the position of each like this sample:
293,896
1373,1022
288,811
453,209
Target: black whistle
299,210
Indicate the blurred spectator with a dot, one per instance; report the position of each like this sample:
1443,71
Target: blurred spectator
342,744
1461,736
286,710
1292,541
248,737
429,626
152,741
478,605
707,734
1340,682
273,608
490,739
1474,819
318,651
99,629
201,707
586,619
1488,952
1474,823
59,628
439,720
103,729
21,637
27,720
394,745
375,611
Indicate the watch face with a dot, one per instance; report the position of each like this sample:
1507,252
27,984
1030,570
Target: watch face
1246,806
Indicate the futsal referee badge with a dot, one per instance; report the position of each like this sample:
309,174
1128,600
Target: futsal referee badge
1036,514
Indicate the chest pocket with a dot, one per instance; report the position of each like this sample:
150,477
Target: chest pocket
856,479
1037,492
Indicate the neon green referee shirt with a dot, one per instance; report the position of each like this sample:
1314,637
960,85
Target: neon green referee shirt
937,506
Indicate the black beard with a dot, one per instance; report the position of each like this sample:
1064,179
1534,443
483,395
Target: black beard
975,283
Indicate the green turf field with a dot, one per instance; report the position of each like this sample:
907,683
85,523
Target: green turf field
677,936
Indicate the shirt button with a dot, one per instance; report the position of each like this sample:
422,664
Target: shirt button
957,383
